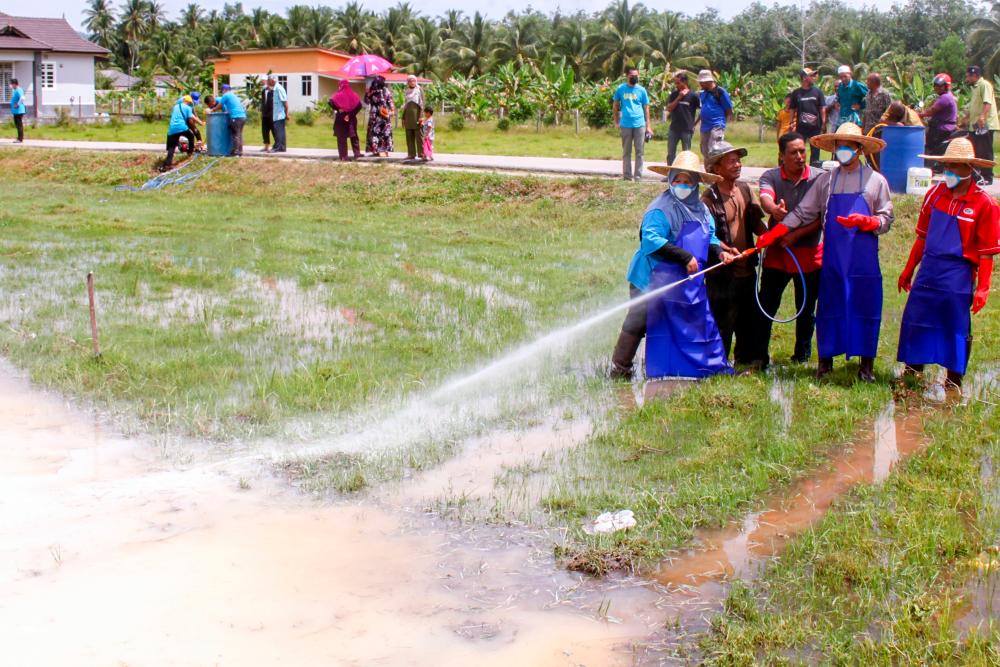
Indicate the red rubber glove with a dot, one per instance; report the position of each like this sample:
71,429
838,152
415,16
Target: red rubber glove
982,284
769,237
905,281
865,223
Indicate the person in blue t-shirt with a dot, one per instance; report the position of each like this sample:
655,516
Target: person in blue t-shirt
716,111
232,105
631,110
180,127
17,108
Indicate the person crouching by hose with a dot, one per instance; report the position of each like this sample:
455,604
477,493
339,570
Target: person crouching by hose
958,233
180,126
781,190
856,206
676,238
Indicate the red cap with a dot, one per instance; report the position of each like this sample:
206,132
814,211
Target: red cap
942,79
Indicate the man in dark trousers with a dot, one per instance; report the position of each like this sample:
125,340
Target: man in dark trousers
981,119
267,113
732,289
809,110
682,106
781,190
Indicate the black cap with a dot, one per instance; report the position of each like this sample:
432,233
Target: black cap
974,69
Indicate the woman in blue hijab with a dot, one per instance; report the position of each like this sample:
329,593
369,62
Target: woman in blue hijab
676,238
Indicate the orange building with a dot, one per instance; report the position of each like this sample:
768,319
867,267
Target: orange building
309,75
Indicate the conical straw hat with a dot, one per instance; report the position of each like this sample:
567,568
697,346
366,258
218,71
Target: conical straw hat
685,161
848,132
960,151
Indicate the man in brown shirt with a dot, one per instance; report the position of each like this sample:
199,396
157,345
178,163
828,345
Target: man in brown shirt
731,289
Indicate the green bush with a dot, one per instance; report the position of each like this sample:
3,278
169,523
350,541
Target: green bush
307,117
456,123
521,111
549,119
64,117
503,124
660,131
597,111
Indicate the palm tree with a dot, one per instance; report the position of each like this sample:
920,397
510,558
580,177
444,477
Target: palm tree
99,20
985,41
468,50
423,46
191,17
451,23
392,27
622,38
133,28
670,48
355,30
859,49
518,40
318,29
570,43
155,14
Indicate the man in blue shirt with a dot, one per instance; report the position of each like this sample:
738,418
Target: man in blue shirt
180,126
716,110
279,113
17,108
851,96
631,110
231,104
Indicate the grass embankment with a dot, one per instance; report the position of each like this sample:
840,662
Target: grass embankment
273,290
477,139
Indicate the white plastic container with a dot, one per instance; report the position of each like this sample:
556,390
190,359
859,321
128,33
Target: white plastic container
830,165
918,180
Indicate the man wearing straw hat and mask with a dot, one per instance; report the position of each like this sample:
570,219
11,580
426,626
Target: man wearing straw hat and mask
958,233
856,207
676,238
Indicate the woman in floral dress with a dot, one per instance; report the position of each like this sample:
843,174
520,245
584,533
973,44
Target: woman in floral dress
380,108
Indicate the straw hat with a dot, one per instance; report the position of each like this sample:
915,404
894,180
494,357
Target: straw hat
960,151
685,161
847,132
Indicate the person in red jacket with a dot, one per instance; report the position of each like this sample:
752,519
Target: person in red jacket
958,233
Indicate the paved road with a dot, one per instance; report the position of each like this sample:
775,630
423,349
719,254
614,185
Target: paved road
544,166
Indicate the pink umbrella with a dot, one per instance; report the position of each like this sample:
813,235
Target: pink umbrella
366,65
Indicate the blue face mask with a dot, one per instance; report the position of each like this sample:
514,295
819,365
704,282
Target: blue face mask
953,180
845,154
681,190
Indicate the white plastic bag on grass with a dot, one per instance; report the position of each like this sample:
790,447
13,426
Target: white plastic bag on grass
610,522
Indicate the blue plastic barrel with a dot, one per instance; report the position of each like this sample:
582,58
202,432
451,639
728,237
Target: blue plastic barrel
217,134
902,146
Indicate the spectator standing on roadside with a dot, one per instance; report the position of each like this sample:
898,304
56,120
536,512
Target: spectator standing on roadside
279,112
877,102
941,116
346,105
267,114
851,96
427,133
231,104
682,106
380,110
981,118
413,111
781,190
631,111
785,117
809,106
716,111
17,109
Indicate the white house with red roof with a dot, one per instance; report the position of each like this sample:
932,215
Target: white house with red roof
53,64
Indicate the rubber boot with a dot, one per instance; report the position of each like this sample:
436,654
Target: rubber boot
866,369
621,359
824,367
953,380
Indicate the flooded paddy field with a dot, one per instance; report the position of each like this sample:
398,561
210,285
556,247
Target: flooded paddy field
314,439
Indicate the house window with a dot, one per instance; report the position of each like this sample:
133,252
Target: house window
307,86
283,81
6,74
48,75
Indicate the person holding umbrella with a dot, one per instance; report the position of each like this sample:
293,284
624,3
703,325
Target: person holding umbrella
958,233
856,206
676,238
380,109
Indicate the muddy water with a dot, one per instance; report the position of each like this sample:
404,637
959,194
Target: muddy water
739,551
128,558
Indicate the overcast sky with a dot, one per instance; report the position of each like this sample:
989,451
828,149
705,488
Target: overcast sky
73,9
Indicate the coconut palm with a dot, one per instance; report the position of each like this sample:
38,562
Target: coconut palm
622,37
392,28
155,14
450,23
191,17
985,41
317,30
570,43
860,50
354,30
99,21
517,41
423,45
133,29
468,50
670,48
273,34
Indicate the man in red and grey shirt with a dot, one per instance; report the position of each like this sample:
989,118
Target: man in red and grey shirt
781,190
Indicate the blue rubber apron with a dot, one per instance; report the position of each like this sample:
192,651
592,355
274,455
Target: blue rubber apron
849,310
937,325
682,339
